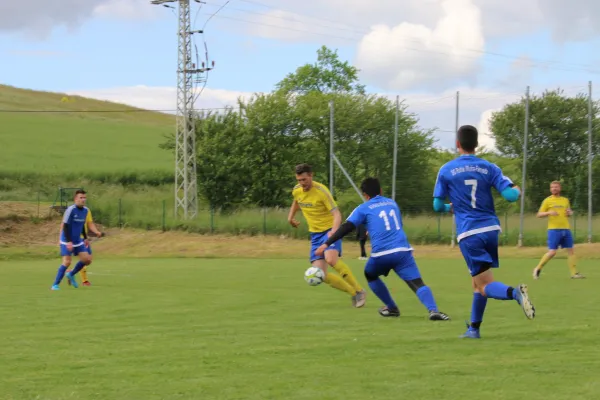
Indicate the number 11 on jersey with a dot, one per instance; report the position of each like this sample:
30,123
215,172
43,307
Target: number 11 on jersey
383,215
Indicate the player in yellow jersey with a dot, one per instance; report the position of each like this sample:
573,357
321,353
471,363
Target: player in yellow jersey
89,226
558,210
324,218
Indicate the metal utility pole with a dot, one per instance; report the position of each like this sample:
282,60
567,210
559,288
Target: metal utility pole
186,183
590,157
456,117
395,157
331,149
525,134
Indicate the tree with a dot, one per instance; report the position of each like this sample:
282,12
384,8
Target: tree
557,140
269,143
222,165
328,75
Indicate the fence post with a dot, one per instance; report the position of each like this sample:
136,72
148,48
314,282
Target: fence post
264,220
575,227
505,228
439,226
164,215
212,219
120,209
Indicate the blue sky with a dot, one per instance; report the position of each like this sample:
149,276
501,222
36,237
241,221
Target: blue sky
125,50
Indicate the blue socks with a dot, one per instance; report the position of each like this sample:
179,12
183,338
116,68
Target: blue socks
77,268
499,291
426,296
379,288
477,309
60,274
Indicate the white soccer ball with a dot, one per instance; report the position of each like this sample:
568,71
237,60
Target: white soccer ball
314,276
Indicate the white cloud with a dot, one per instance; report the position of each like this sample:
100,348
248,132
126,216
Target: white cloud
37,18
161,98
410,56
485,138
127,9
571,20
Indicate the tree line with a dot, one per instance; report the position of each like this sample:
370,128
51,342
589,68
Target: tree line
246,154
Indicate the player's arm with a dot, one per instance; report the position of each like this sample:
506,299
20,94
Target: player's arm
293,210
344,229
66,225
355,219
569,209
332,207
89,221
504,185
92,227
543,211
337,219
440,192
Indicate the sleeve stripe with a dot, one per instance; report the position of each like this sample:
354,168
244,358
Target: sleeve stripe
328,196
67,214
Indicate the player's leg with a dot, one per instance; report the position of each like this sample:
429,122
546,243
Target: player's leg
363,251
553,242
486,284
406,268
84,259
567,243
332,257
65,263
373,270
481,254
84,277
319,262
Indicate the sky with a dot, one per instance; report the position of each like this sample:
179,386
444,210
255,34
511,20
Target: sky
424,51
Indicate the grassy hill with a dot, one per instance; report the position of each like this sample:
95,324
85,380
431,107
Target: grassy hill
49,133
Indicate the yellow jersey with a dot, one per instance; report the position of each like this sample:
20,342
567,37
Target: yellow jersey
88,219
316,205
560,205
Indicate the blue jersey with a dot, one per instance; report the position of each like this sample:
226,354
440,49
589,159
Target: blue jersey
75,217
383,221
468,181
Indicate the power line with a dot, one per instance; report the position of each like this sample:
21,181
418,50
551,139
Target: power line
551,64
106,111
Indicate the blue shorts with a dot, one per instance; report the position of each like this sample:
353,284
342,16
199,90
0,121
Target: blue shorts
560,237
480,251
317,239
403,263
76,250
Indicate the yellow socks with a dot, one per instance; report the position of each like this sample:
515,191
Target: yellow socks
340,284
83,273
543,261
345,272
572,264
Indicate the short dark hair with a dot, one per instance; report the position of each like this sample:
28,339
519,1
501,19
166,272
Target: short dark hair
78,191
371,187
467,137
303,168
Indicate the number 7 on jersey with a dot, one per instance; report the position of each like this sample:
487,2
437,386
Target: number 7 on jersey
473,183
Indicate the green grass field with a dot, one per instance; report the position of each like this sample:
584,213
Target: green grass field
48,143
252,329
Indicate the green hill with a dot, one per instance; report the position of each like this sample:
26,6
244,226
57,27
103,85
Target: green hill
53,134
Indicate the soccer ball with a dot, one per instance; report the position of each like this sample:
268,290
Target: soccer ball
314,276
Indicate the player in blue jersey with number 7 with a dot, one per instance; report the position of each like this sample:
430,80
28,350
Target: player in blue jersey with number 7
390,250
468,181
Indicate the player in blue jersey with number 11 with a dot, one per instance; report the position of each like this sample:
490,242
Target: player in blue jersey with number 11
468,181
390,250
